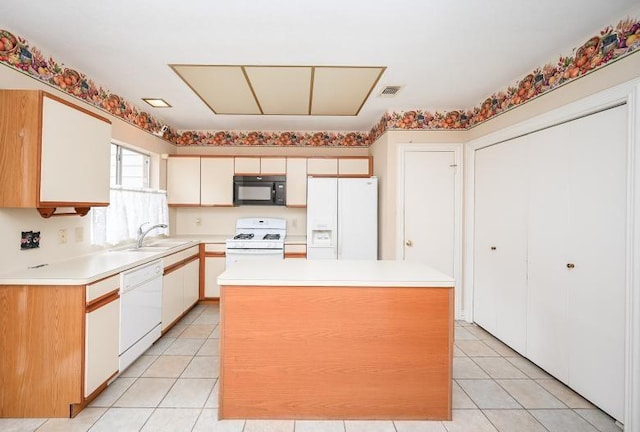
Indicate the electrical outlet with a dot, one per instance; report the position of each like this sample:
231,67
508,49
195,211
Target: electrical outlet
79,234
198,221
62,236
294,223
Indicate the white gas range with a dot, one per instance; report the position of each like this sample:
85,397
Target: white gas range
257,238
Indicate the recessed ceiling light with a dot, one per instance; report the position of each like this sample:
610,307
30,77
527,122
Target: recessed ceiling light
157,102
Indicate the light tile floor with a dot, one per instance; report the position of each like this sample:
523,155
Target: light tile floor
173,387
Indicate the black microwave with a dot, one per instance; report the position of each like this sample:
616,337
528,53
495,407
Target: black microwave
259,190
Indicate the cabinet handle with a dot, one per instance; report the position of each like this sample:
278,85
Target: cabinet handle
570,265
493,248
409,243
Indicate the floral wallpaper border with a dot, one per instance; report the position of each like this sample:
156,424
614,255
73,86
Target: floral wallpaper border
611,44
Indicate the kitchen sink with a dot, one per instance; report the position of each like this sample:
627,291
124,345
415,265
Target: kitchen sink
156,246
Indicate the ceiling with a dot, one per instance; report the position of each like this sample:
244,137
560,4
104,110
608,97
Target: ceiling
445,54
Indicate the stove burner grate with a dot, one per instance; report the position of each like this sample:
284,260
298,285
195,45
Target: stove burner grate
271,237
243,236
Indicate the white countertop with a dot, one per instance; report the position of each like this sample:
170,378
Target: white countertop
334,273
89,268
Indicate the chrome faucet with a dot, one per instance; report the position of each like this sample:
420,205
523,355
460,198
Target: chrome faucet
142,234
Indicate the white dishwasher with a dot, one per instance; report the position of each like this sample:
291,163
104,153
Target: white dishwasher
140,310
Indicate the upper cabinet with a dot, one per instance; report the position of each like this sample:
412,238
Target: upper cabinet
216,181
355,167
208,180
200,181
296,182
346,166
54,154
322,167
259,165
183,180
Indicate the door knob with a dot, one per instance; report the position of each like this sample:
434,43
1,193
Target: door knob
409,243
570,265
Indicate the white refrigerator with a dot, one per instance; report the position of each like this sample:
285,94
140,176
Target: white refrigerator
342,218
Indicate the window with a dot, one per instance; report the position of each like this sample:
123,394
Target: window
129,168
132,203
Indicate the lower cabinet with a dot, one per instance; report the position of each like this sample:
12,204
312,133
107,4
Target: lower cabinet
298,251
180,284
214,265
101,338
101,345
59,345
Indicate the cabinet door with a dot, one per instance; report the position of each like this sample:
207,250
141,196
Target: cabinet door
354,167
597,248
172,296
322,166
216,181
247,165
214,266
500,256
101,345
273,165
75,156
296,182
183,180
191,291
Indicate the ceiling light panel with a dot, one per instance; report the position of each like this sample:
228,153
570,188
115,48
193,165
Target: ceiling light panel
342,90
281,89
223,88
157,102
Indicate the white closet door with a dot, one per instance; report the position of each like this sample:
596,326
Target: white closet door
547,302
500,286
597,233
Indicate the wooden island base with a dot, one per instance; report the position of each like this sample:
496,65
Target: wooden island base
315,352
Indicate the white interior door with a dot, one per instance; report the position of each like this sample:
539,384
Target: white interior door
429,218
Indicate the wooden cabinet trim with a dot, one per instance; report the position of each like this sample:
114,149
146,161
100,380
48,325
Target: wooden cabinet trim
72,105
103,300
295,255
215,254
173,267
183,262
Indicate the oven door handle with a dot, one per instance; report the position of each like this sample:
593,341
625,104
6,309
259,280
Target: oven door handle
254,251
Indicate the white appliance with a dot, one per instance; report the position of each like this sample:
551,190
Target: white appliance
342,218
257,238
140,310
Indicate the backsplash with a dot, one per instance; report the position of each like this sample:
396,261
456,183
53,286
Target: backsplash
222,220
15,221
611,44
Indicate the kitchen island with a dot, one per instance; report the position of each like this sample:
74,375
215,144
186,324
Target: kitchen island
326,339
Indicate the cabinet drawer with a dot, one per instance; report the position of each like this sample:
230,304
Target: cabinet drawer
102,287
180,256
215,247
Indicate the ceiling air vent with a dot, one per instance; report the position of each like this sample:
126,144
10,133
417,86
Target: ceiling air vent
389,91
